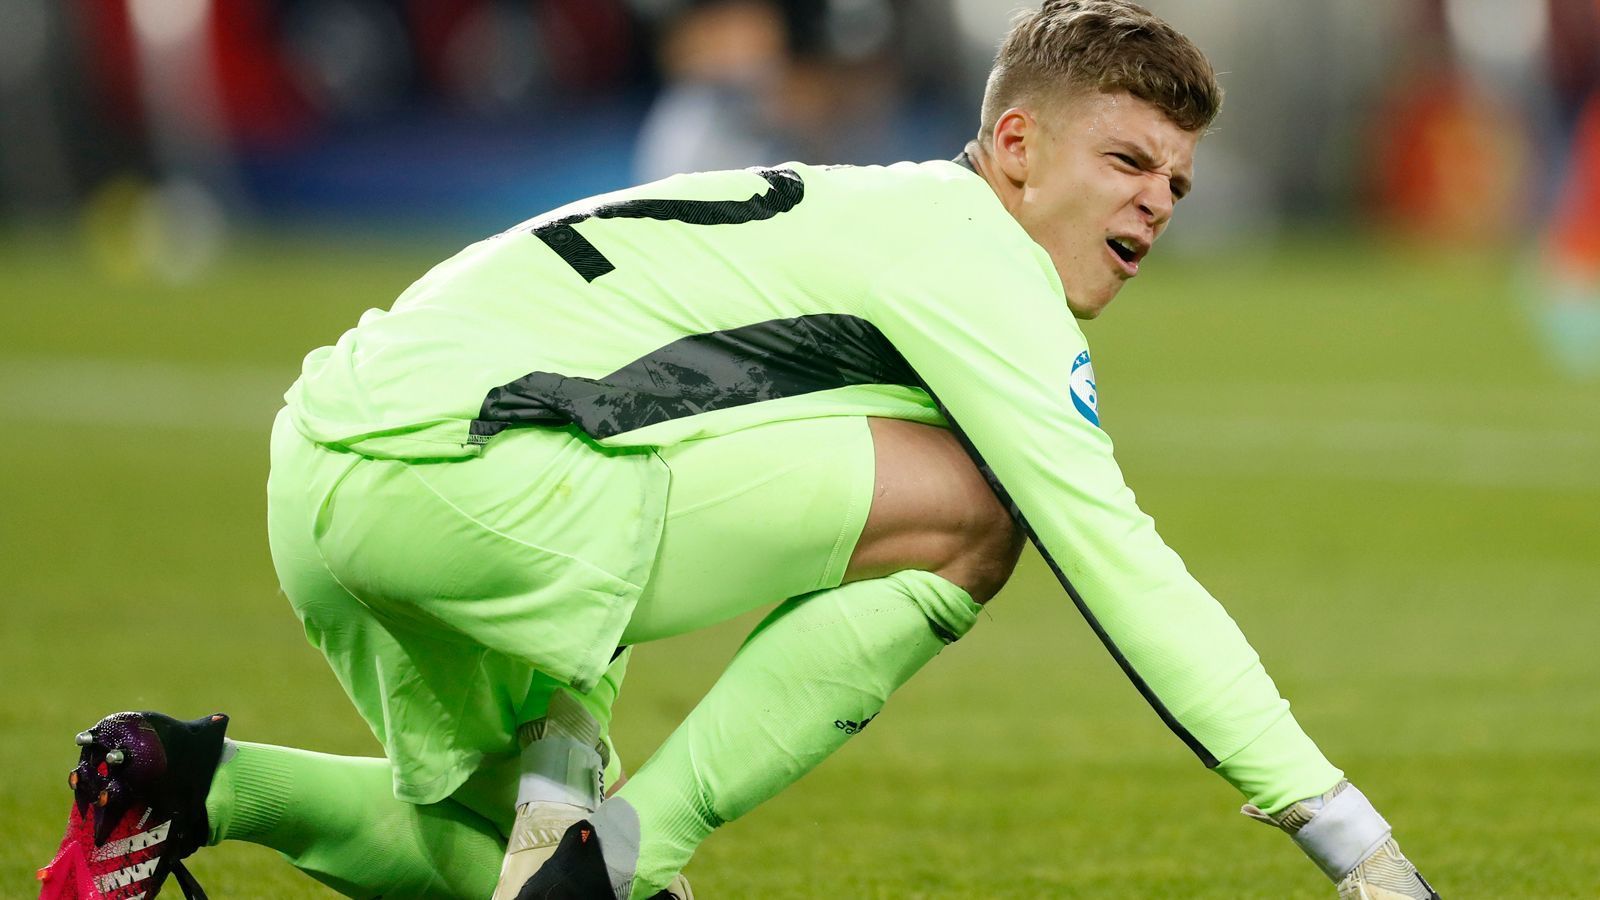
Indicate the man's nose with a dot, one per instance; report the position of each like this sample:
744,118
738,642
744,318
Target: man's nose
1155,202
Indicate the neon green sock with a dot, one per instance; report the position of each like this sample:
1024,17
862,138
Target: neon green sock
814,673
336,819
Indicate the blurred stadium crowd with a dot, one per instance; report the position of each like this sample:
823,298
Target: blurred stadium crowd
1454,122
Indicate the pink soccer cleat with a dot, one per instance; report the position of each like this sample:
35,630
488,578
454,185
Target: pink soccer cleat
139,806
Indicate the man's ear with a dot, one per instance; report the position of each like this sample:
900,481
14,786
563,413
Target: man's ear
1014,134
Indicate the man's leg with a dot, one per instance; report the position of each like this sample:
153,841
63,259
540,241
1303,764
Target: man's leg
924,520
752,518
329,814
813,674
336,819
819,668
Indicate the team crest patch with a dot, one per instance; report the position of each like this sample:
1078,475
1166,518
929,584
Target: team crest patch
1080,384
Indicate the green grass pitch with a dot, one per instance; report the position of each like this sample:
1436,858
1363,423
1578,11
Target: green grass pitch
1358,451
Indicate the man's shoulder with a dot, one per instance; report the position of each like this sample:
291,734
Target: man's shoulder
932,179
935,207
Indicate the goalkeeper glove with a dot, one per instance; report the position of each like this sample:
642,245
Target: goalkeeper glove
1351,843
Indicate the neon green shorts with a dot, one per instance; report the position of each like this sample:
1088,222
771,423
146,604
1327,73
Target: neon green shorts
449,597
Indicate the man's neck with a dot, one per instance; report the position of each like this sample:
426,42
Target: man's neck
983,164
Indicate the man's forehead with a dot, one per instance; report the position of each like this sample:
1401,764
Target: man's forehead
1137,127
1124,116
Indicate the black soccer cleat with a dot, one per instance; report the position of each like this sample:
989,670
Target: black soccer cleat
577,871
139,806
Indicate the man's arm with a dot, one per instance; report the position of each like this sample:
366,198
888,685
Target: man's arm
1000,361
996,347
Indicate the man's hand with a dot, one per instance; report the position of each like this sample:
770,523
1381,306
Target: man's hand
1351,843
1386,875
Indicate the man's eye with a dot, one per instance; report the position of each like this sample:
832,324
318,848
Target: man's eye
1126,160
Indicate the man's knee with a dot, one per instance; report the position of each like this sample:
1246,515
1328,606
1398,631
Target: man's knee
933,510
992,546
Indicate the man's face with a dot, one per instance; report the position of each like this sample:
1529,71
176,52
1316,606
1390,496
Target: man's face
1098,176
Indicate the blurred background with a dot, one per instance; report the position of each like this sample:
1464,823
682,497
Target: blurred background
1358,386
159,130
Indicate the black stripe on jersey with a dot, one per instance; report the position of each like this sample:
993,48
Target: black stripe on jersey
700,373
1188,738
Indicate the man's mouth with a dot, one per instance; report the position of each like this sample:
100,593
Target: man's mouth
1128,252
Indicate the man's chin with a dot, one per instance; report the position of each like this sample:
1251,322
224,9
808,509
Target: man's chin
1092,305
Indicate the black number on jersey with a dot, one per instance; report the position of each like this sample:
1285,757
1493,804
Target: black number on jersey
787,190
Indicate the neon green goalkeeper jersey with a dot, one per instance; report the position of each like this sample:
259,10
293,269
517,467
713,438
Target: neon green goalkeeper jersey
707,303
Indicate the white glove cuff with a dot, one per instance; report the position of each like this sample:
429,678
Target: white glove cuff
1343,833
559,769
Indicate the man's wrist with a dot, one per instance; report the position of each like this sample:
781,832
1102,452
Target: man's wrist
1351,843
1343,832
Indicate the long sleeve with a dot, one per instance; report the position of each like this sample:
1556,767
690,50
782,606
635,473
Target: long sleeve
996,346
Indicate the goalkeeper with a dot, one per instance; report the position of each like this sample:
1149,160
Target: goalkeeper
846,391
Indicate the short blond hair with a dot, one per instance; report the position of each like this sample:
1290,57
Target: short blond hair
1069,47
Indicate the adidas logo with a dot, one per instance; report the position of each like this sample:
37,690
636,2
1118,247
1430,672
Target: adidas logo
849,727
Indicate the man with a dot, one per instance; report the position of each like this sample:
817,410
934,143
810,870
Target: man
646,412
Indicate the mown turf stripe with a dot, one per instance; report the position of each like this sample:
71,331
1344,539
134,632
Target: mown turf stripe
1362,446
